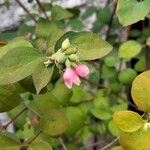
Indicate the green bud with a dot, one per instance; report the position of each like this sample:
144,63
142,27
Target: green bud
60,58
67,63
65,44
71,50
73,64
73,57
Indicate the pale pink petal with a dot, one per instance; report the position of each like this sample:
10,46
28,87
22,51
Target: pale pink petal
76,80
69,76
82,70
68,84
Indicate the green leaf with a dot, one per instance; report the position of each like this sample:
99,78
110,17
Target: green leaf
127,11
53,37
101,114
113,129
111,61
17,42
58,13
75,118
42,75
39,145
44,102
89,11
89,46
62,93
128,121
53,123
136,140
83,96
76,24
45,28
7,142
148,41
129,49
126,76
117,148
9,97
141,91
141,64
18,64
21,120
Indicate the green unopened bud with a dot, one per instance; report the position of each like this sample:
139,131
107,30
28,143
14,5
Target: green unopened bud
71,50
73,64
67,63
65,44
73,57
60,58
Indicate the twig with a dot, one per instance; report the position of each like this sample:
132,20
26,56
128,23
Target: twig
95,84
91,145
30,141
42,9
110,144
5,126
111,20
31,109
2,42
62,143
26,10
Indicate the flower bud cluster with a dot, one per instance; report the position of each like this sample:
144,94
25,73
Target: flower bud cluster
66,59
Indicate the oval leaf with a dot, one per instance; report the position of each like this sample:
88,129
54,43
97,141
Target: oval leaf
18,64
138,140
39,145
141,91
42,75
129,49
17,42
44,102
89,45
127,11
8,142
9,98
75,120
53,123
128,121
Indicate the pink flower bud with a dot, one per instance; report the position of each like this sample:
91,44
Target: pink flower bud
82,70
70,77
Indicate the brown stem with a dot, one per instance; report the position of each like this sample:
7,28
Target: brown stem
111,20
110,144
2,42
42,9
30,141
92,83
26,10
62,143
91,145
10,122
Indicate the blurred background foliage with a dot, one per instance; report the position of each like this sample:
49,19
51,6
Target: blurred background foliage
89,107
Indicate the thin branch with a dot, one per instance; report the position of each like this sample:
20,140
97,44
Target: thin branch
92,145
62,143
26,10
42,9
111,20
95,84
2,42
110,144
36,136
10,122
